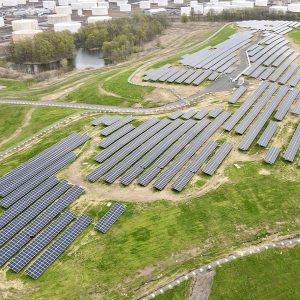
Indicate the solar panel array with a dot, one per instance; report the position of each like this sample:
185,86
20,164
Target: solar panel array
238,93
37,164
267,134
143,154
110,217
58,247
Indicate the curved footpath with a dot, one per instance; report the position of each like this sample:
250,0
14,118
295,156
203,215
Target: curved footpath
287,242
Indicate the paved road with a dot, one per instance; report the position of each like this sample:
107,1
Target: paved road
211,266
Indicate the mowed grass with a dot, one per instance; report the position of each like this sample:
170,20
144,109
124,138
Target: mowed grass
273,274
295,35
13,117
13,85
116,91
247,209
223,35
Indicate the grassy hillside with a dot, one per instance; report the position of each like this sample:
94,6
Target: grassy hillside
273,274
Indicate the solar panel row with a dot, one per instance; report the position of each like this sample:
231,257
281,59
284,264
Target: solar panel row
41,241
293,146
267,134
286,104
271,155
117,125
58,247
238,93
110,217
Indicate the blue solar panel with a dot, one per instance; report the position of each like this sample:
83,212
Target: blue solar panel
41,241
110,217
23,219
13,247
58,247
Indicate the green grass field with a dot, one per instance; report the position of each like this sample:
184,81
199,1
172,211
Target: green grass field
273,274
12,117
179,292
13,86
295,35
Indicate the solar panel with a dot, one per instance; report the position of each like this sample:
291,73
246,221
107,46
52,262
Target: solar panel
117,125
200,114
238,114
100,120
238,93
294,80
41,241
296,109
13,247
26,201
175,115
266,73
116,136
58,247
111,120
24,218
293,146
217,159
110,217
267,134
23,189
182,180
271,155
189,114
285,106
215,112
54,210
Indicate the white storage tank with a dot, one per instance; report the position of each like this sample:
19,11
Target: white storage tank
242,4
263,3
49,5
278,9
162,3
33,1
99,11
103,4
9,3
24,34
120,2
63,10
193,3
25,24
185,11
76,5
145,4
178,1
1,22
73,27
21,2
53,19
125,7
87,5
64,2
98,19
294,7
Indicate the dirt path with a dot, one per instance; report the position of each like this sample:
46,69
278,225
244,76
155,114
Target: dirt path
25,123
201,286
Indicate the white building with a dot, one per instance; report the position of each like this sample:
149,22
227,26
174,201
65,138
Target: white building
25,24
73,27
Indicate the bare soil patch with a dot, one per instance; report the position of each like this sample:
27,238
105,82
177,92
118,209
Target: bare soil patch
201,286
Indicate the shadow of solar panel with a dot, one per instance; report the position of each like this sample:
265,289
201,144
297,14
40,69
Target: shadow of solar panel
58,247
110,217
41,241
26,201
13,247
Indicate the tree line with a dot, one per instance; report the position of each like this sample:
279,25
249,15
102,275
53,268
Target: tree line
119,38
44,47
231,15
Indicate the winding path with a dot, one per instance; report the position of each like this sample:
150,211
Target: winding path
287,242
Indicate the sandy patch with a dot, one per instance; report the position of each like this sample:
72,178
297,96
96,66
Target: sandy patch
201,286
264,172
